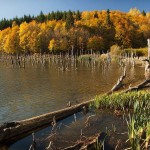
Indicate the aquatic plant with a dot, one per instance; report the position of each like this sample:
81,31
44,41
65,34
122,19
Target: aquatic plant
138,120
99,145
139,126
120,100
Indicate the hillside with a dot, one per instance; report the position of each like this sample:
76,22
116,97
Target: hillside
62,31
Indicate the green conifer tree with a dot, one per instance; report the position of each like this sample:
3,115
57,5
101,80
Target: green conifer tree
41,17
143,13
64,16
69,20
108,21
78,15
95,15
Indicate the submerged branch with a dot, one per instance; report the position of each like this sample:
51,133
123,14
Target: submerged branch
139,86
118,85
96,141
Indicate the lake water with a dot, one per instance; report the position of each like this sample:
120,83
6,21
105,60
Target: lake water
36,90
40,89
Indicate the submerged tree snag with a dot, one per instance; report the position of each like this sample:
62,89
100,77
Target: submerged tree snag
84,144
95,142
119,83
139,86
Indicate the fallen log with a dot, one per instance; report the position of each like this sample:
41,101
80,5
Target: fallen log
10,132
138,87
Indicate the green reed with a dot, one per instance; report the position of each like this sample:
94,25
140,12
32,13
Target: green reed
120,100
139,125
138,120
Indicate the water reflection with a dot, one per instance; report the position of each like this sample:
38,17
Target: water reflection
36,90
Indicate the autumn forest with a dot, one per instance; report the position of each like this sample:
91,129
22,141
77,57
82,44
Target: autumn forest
62,31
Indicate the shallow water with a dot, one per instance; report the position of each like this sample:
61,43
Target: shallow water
68,132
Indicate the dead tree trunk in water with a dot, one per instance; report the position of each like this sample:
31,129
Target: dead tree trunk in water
138,87
119,83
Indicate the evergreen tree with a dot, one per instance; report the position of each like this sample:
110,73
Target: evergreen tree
4,24
33,18
64,16
16,19
61,15
143,13
9,23
108,21
41,17
69,20
52,16
78,15
26,18
29,19
95,15
58,15
49,16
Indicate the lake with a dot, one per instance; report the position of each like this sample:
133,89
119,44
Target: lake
39,89
36,90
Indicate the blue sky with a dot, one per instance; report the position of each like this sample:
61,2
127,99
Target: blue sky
13,8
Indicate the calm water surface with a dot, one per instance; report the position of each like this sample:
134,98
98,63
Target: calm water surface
36,90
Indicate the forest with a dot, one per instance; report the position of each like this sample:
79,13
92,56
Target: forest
81,31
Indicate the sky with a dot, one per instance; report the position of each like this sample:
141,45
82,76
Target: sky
12,8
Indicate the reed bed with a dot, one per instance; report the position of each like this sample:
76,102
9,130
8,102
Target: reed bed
138,118
121,100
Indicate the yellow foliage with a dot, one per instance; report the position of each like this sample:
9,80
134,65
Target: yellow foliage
91,32
11,45
3,37
51,44
134,11
96,43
